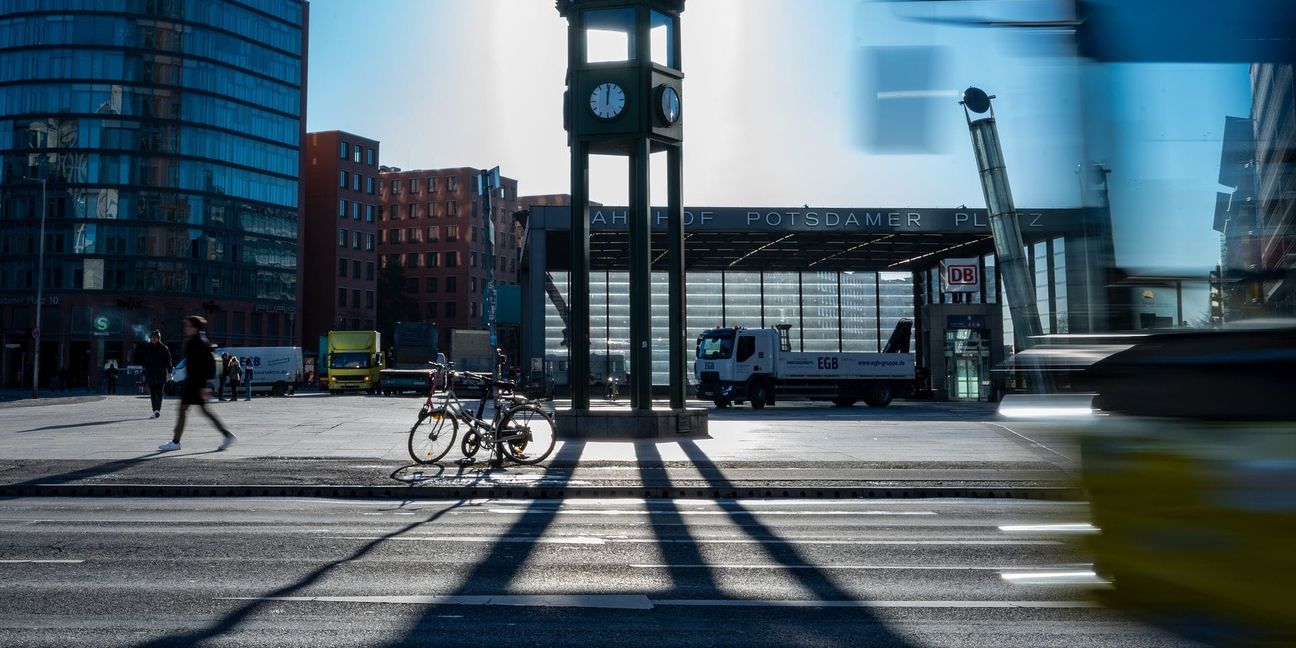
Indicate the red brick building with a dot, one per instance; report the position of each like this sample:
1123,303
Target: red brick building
340,261
431,223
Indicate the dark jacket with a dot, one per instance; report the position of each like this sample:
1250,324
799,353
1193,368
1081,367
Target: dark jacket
156,363
200,367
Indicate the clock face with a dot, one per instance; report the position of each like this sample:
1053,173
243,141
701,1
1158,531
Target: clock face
669,104
607,100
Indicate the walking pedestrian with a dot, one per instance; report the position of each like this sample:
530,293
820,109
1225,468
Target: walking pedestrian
157,370
200,363
110,375
234,368
224,375
247,377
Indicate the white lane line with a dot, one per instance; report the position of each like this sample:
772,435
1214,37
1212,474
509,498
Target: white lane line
1083,528
613,601
1030,440
1085,577
41,562
593,540
713,513
848,567
642,602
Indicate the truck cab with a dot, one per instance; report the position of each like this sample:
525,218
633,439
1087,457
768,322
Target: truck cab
730,360
355,361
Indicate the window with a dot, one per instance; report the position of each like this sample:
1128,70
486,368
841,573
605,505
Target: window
411,285
369,213
371,158
430,259
393,259
452,208
393,236
342,265
452,184
473,284
411,261
431,184
472,259
342,237
450,310
342,297
369,243
355,298
395,187
431,309
472,309
343,149
369,186
356,181
452,233
382,215
342,179
355,269
369,299
434,234
452,284
355,240
452,259
474,234
413,235
355,211
746,347
395,212
342,209
369,270
431,285
355,154
413,185
430,210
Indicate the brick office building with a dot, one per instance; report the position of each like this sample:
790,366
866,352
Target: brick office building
431,223
341,257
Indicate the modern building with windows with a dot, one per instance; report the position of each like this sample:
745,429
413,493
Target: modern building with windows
841,278
340,278
432,226
169,137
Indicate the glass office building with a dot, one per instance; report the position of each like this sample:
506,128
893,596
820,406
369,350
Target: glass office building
169,134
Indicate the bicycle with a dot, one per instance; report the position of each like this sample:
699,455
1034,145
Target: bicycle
519,428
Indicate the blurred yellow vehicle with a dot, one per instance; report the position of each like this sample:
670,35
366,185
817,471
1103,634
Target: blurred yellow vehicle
1190,467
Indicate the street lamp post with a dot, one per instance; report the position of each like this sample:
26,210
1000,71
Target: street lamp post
40,286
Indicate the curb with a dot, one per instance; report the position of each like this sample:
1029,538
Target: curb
1050,493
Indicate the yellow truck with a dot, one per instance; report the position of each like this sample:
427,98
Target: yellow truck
354,361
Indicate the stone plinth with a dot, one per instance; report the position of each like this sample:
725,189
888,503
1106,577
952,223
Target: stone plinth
631,424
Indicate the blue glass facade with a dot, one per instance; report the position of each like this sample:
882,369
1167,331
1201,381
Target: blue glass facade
169,133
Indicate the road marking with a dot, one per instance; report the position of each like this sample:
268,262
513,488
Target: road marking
1054,578
642,602
1083,528
1031,441
41,562
850,567
712,513
594,540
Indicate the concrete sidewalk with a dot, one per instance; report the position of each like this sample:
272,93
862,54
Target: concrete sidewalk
316,440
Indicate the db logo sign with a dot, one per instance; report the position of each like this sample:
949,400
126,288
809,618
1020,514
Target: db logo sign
961,275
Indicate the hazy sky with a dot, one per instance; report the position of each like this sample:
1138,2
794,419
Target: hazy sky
775,104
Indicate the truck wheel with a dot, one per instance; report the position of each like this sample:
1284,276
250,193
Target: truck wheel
758,393
844,402
280,389
879,396
722,403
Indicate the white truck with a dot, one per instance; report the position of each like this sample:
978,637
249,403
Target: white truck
275,370
734,365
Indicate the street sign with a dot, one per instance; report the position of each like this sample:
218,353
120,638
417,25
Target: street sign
101,324
961,275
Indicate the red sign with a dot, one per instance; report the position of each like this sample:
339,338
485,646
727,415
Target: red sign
961,275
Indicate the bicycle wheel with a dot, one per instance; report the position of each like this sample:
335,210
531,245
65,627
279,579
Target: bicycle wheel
432,436
471,443
527,434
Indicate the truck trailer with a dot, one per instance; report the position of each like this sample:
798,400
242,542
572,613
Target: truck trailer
737,365
415,345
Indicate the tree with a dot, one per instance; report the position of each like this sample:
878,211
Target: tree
394,303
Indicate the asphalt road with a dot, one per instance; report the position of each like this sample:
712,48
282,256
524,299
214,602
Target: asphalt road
261,572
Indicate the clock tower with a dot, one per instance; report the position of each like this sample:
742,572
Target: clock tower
624,98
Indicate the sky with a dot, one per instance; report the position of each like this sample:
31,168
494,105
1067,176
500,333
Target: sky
781,108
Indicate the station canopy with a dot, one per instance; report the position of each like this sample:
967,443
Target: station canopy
751,239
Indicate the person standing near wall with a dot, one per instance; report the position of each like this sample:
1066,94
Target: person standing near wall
247,377
157,370
200,366
234,369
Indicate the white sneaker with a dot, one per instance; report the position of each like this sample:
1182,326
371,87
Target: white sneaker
227,441
156,414
169,446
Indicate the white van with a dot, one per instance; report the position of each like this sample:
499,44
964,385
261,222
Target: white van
275,370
